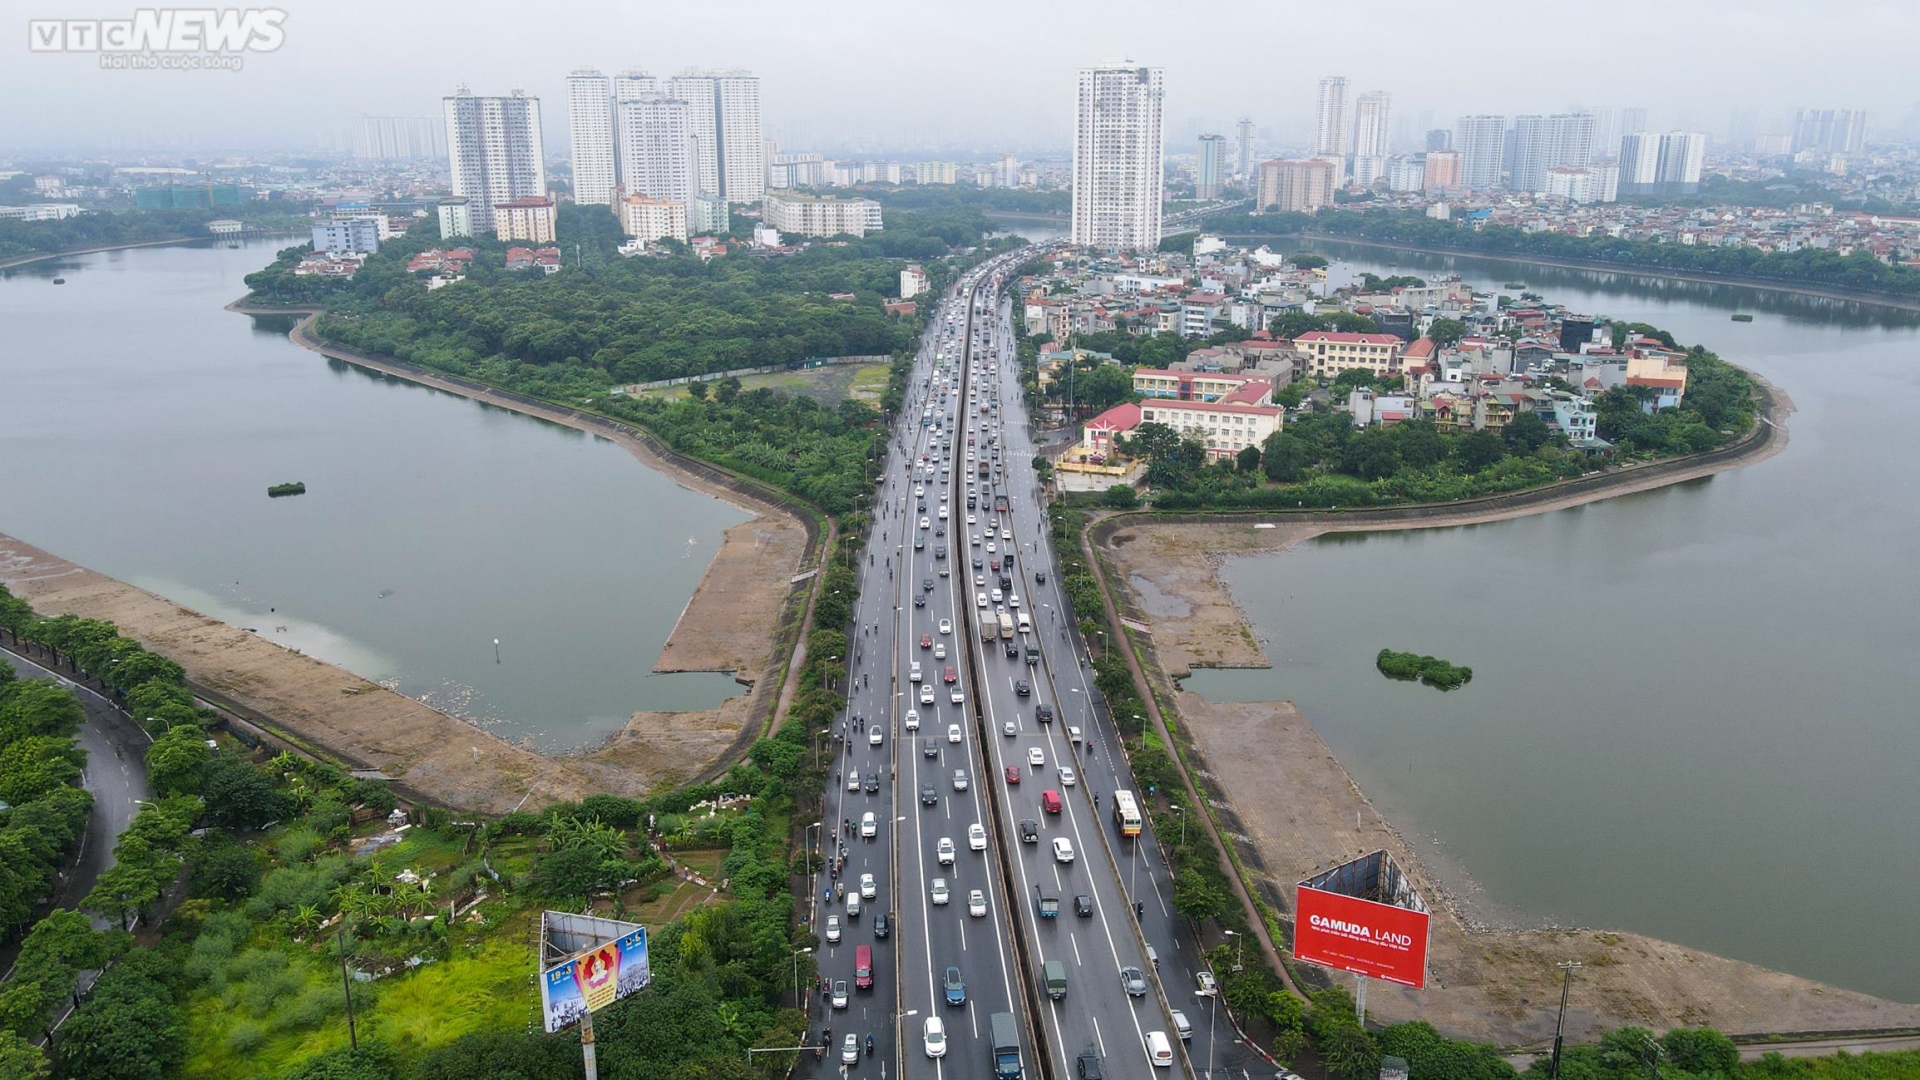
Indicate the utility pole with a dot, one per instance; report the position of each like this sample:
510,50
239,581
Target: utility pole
346,983
1560,1026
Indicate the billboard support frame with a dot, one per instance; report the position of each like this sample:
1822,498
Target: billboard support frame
588,962
1363,917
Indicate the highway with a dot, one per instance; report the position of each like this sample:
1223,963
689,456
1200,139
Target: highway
964,407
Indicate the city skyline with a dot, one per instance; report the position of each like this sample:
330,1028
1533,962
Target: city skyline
271,104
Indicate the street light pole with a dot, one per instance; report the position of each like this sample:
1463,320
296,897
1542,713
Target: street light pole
796,974
1213,1007
806,842
1183,822
1239,941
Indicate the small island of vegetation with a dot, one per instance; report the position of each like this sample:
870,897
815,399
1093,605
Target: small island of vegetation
298,487
1413,667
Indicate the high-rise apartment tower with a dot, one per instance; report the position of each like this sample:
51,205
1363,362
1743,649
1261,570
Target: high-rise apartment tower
1118,156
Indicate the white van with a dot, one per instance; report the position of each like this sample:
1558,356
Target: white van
1159,1049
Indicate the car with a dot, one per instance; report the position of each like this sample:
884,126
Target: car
869,826
949,674
874,735
939,891
1039,577
929,748
979,581
1006,534
882,925
970,516
1013,649
1207,987
1134,980
980,600
924,523
994,595
977,564
946,626
1062,849
926,641
957,697
935,1037
977,837
870,783
1050,801
926,693
959,779
943,852
912,720
1087,1065
1013,600
1083,906
943,511
853,780
990,548
1068,777
1043,713
977,903
919,490
840,993
919,599
1036,757
850,1050
833,929
929,795
953,986
869,888
1022,687
1181,1025
1013,774
973,540
953,733
913,671
939,530
926,584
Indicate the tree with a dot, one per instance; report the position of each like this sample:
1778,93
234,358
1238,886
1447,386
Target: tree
1348,322
502,1055
37,764
1446,332
129,1028
1526,433
1248,459
1307,260
1349,1053
1285,457
1701,1050
1419,443
570,873
1371,455
240,796
1197,898
177,761
697,391
1479,449
372,1061
1121,497
1292,324
726,390
224,869
37,707
20,1059
1102,388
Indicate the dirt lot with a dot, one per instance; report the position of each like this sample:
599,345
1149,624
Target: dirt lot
828,385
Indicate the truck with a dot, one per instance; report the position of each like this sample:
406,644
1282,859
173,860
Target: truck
1049,904
983,469
989,629
1056,979
1006,1047
1006,626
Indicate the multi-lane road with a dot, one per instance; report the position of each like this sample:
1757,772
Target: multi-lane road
948,818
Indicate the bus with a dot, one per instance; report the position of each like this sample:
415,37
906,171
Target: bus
1126,813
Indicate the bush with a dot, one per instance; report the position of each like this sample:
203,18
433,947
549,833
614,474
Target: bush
1431,670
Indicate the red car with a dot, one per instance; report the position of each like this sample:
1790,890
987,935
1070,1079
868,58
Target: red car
1050,801
1013,774
950,675
926,641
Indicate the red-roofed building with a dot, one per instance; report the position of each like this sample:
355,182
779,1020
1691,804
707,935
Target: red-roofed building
1330,353
1097,436
1224,429
1197,385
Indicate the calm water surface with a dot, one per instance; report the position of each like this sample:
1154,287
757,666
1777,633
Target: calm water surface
140,426
1693,711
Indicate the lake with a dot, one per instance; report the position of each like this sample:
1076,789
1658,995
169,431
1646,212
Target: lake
1693,710
141,425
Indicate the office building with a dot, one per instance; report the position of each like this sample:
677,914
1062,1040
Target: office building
1118,156
647,219
1544,143
1482,143
456,217
590,126
723,111
341,235
1442,172
1829,131
1665,164
658,151
1243,165
495,151
1207,171
1439,139
1296,186
1370,137
814,215
400,138
524,219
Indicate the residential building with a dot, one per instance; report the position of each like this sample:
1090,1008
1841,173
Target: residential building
1407,174
1594,183
1543,143
1207,171
708,214
1198,310
546,259
1660,372
647,219
1329,353
813,215
1574,417
339,236
1439,139
723,112
913,282
1296,186
456,217
1370,138
659,154
1332,127
400,138
1664,164
524,219
936,172
1243,162
1482,142
590,127
1224,429
1829,131
40,212
633,83
1442,170
1118,156
495,150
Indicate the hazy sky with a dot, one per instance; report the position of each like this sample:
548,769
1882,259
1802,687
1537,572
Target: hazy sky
979,73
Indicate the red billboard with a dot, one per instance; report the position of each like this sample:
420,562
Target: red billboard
1379,941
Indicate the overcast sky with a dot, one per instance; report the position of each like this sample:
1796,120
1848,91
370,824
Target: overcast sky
989,74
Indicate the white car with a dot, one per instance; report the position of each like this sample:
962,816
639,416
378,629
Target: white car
853,780
939,650
953,733
943,513
1068,777
873,735
1008,729
1036,757
919,492
833,929
990,548
975,539
868,887
869,825
946,626
1013,600
970,518
977,837
840,993
1062,849
912,721
936,1037
913,671
925,524
980,600
1207,987
944,851
957,697
926,693
1006,534
977,903
939,891
994,595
